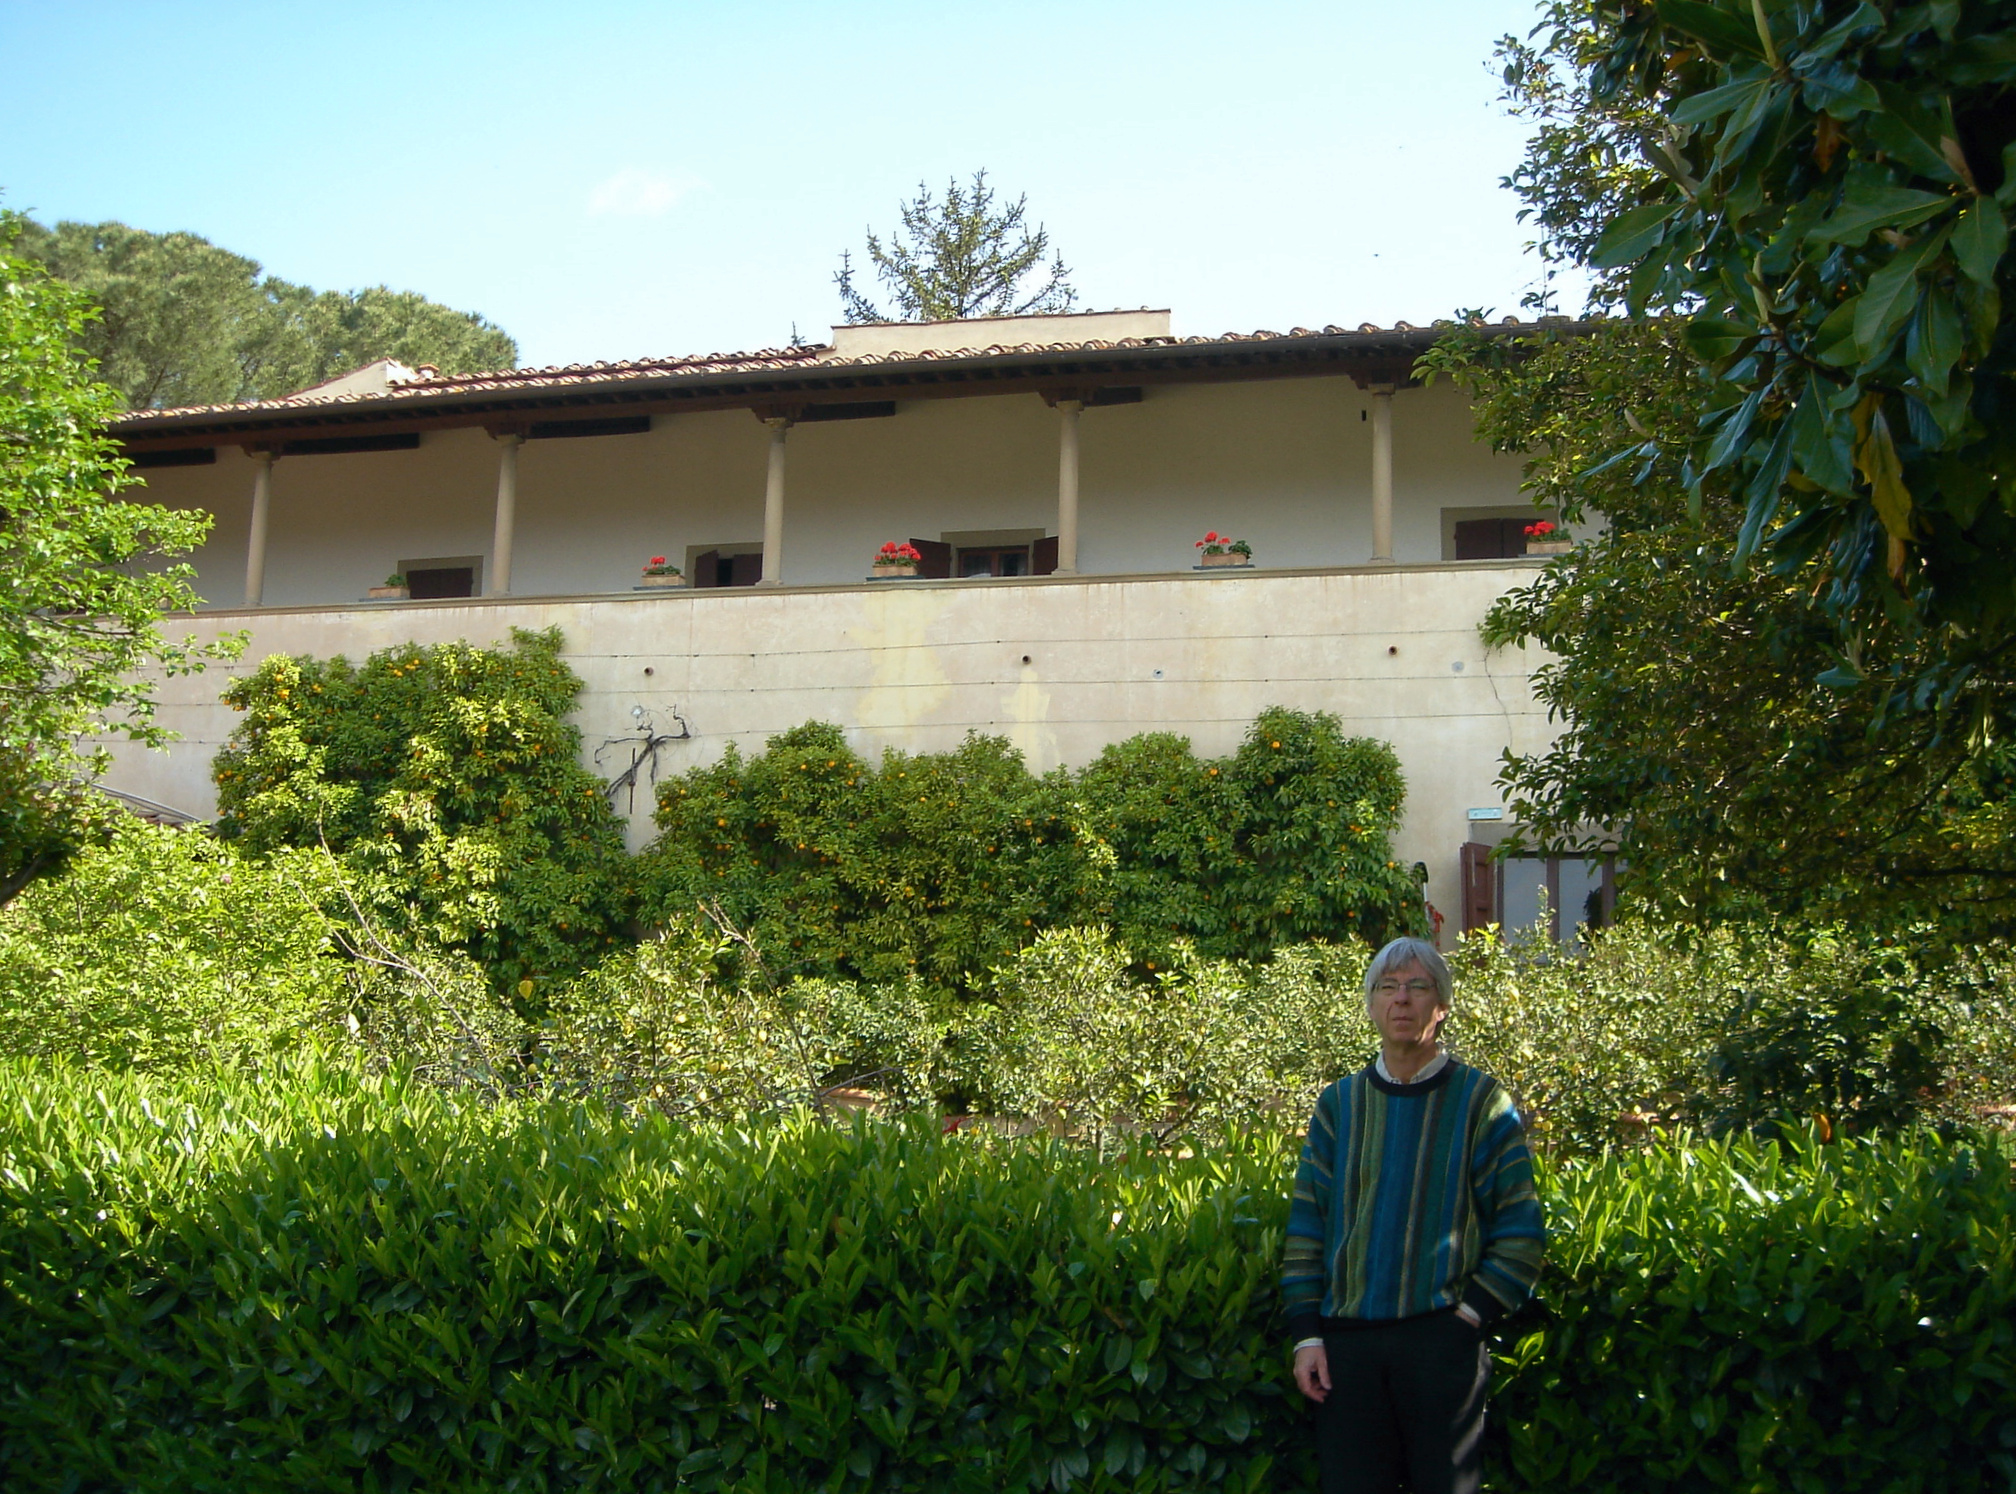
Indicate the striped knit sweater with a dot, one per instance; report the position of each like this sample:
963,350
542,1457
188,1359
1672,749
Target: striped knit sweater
1411,1198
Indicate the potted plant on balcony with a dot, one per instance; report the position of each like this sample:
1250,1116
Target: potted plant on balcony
394,590
895,559
660,573
1544,538
1217,549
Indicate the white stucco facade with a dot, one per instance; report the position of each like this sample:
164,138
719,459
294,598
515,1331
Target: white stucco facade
1283,464
1270,439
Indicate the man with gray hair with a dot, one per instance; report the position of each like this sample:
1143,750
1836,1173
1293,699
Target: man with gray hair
1414,1227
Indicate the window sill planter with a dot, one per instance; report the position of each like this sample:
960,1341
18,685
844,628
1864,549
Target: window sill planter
880,572
659,583
1549,547
389,594
1229,558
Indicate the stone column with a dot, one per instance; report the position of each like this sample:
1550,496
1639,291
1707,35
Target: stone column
1068,411
773,504
1382,472
506,531
255,550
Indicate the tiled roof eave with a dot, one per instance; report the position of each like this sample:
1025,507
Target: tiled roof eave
470,400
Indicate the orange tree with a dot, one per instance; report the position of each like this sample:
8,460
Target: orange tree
448,779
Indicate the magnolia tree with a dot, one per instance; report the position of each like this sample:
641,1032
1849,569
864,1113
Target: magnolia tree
82,588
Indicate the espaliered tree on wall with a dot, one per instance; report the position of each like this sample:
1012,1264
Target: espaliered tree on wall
447,779
945,864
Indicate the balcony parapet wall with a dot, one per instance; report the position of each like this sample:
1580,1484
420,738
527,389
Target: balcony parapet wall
1061,666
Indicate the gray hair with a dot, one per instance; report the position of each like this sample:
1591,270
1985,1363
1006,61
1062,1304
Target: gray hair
1398,956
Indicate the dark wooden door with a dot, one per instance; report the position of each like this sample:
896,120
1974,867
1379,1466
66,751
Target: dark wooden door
1043,556
937,558
1480,888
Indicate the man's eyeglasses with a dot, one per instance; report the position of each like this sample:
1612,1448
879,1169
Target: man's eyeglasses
1411,987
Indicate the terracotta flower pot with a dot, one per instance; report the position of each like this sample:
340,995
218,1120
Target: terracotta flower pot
389,594
654,583
1230,557
1549,547
879,571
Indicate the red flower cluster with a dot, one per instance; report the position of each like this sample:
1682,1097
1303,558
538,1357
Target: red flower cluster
657,559
895,554
1213,538
1539,531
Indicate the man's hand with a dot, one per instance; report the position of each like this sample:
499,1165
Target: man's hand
1469,1315
1312,1371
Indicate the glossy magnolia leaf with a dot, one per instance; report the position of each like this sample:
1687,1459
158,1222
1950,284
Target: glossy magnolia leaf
1633,234
1891,296
1932,341
1711,339
1723,31
1821,442
1876,455
1864,211
1717,102
1980,238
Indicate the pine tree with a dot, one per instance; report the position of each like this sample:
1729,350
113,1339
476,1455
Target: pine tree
960,258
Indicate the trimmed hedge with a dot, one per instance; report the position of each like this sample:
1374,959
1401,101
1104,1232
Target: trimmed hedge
315,1280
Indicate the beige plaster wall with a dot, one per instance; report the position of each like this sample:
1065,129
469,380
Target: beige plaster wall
1284,463
1393,651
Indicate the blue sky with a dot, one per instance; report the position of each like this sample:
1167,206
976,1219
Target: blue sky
611,180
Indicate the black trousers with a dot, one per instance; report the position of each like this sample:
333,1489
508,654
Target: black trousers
1405,1409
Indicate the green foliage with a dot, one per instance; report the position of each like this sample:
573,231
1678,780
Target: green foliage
1702,741
1830,200
446,779
960,258
339,1282
659,1028
1072,1042
161,949
939,863
945,864
186,323
1653,1027
81,590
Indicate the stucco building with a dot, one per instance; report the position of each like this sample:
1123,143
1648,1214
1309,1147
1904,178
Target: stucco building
1055,472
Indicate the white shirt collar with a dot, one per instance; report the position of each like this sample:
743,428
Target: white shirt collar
1429,1070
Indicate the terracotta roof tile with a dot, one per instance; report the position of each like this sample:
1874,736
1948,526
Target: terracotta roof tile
763,360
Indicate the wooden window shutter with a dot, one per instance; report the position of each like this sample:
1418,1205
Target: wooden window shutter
746,570
1043,556
706,568
937,561
1480,888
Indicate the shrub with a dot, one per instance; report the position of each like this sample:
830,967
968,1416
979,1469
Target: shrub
1735,1030
946,864
162,949
343,1282
446,779
659,1028
1069,1039
942,864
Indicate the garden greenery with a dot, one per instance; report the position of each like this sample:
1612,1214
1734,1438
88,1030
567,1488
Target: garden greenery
327,1281
446,780
945,864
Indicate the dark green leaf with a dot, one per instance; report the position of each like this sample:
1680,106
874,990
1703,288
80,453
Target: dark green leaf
1980,238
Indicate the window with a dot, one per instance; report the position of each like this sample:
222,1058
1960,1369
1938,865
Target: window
1486,533
1002,560
725,565
1580,892
443,576
989,552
